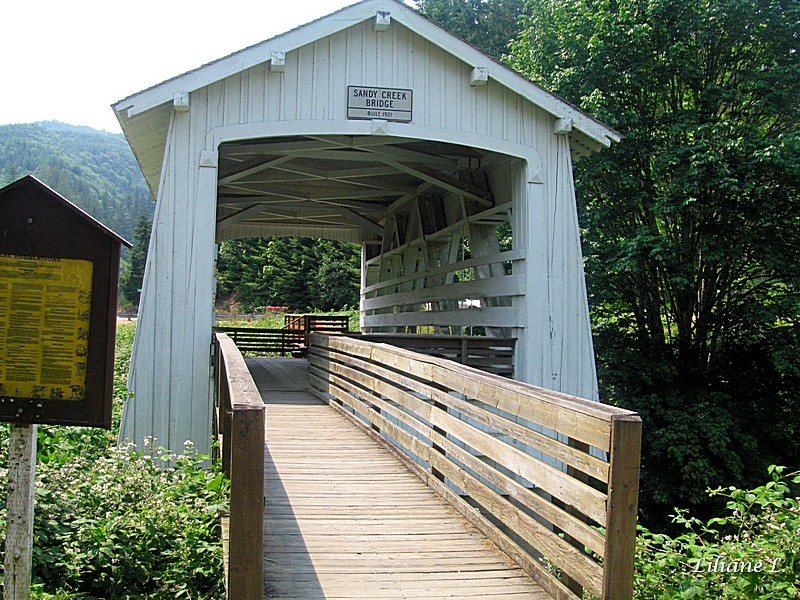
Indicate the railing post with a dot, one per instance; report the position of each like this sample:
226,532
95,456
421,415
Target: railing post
247,505
241,417
623,498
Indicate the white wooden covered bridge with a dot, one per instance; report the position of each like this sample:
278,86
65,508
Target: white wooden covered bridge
373,125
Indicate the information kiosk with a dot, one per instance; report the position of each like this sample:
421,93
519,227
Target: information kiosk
59,270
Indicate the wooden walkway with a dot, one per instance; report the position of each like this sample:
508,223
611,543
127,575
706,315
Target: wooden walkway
344,519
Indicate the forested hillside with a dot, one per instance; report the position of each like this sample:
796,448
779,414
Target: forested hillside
299,273
94,169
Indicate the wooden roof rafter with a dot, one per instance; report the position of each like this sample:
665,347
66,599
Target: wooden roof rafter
353,180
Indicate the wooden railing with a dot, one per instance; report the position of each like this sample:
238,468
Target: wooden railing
490,354
260,341
321,323
239,425
291,340
551,479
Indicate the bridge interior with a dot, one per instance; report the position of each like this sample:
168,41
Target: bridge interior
343,187
346,519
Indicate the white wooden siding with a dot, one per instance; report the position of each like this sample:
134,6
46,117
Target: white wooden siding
313,88
169,375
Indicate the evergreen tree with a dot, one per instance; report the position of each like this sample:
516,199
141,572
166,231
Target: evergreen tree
692,224
300,273
133,271
337,282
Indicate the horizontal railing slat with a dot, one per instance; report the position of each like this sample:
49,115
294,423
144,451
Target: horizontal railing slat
558,412
573,457
588,573
586,534
545,476
490,354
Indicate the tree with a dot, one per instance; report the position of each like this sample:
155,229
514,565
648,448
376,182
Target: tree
133,272
240,276
301,273
487,24
692,223
337,283
290,268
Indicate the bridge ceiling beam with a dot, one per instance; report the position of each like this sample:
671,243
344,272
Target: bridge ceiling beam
352,181
323,195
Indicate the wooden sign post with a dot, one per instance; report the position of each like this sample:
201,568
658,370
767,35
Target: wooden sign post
19,512
59,272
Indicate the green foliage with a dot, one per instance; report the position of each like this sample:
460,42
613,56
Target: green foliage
337,281
96,170
691,224
487,24
752,552
123,525
115,523
303,274
133,272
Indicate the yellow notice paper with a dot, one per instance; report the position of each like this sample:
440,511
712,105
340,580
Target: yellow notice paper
44,326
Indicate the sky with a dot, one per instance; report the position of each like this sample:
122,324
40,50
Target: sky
70,60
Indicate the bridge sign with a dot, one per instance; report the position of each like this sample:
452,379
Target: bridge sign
388,104
58,290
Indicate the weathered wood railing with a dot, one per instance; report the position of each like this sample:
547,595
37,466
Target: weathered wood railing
292,339
520,462
257,340
239,425
321,323
490,354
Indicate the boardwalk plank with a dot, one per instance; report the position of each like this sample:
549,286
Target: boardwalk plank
344,520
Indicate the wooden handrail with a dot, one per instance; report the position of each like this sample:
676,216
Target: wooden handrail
239,420
292,339
559,472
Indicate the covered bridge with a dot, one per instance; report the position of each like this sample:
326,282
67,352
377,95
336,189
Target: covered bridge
371,125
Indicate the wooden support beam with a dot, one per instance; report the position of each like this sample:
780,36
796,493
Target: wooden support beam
623,501
327,195
239,216
255,166
445,182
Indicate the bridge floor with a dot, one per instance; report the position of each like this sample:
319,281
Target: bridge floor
344,519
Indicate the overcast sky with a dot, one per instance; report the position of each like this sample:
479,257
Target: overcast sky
69,60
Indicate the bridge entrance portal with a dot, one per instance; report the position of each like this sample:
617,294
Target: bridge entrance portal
372,126
426,215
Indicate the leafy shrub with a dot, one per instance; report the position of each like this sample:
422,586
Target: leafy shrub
127,525
116,523
753,552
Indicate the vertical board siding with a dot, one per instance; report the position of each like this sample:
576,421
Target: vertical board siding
314,87
169,375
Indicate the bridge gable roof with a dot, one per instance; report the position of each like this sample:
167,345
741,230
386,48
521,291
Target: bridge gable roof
144,116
